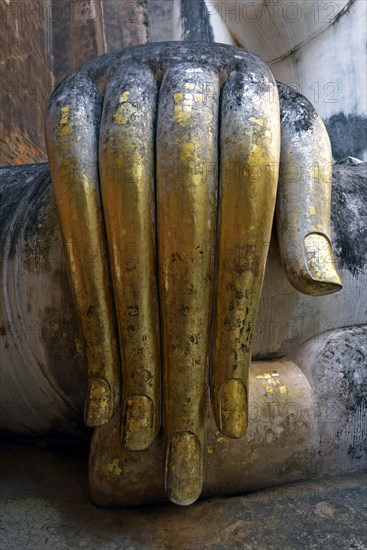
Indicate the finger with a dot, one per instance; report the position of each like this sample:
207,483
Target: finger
249,144
127,183
186,206
72,141
304,198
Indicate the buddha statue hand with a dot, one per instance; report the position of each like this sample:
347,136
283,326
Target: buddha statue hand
165,162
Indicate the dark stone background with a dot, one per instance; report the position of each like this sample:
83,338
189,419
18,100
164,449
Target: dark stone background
43,40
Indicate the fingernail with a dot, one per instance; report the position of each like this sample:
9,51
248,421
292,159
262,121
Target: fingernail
137,432
98,407
233,409
184,468
321,264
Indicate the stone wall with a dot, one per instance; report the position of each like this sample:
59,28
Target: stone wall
41,41
26,80
318,47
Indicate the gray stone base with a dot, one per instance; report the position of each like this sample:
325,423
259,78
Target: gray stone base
45,506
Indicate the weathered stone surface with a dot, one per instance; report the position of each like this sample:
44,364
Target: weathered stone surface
317,48
160,20
86,29
77,34
26,80
26,329
45,505
125,23
41,41
348,134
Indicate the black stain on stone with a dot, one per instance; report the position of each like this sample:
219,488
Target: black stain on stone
196,21
349,216
344,358
295,109
348,135
348,354
17,182
66,365
39,230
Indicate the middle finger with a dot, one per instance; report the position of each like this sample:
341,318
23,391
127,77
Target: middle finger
186,207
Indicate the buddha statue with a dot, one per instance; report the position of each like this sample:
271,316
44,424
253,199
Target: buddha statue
168,162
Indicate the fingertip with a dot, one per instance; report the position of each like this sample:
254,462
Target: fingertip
137,431
184,468
321,264
233,409
312,271
99,404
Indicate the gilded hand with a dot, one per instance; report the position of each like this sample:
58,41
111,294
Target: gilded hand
165,161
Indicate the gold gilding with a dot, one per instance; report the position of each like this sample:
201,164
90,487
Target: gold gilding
98,403
127,185
184,103
250,148
184,468
73,154
233,409
320,260
123,113
303,204
138,432
194,255
267,375
113,467
186,211
64,115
